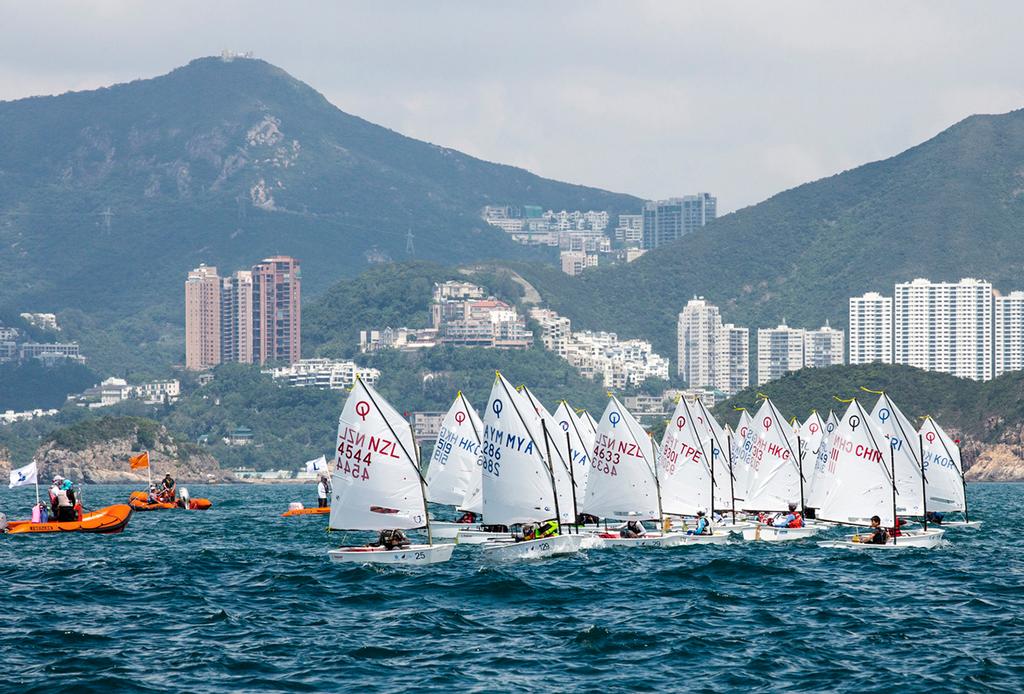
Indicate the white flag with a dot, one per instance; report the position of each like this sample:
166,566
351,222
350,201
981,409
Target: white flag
317,465
24,476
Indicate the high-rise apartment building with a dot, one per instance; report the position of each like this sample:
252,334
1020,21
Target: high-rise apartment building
870,329
711,355
732,359
202,318
236,318
944,326
665,221
779,350
823,347
277,311
1009,333
250,317
697,335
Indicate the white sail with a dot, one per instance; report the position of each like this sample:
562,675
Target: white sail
902,437
453,470
684,464
943,468
588,426
812,438
717,446
831,422
855,480
581,443
743,447
774,479
622,481
557,447
517,484
375,478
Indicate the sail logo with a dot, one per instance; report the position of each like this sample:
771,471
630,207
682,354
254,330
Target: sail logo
460,417
496,408
564,424
930,437
362,409
767,423
884,414
614,418
680,422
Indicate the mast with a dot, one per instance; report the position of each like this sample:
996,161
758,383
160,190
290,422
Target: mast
800,464
572,482
892,463
657,485
924,483
551,471
732,479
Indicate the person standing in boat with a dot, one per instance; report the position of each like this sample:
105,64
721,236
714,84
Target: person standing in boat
323,491
63,498
169,491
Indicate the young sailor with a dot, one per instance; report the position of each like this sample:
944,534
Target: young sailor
703,526
879,535
793,519
323,492
392,539
633,529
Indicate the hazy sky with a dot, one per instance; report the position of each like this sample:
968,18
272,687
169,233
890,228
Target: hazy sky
742,99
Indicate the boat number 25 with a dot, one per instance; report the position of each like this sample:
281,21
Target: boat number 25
420,555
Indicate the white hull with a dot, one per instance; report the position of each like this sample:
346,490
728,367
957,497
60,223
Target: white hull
719,538
769,533
449,531
414,554
911,538
960,524
669,540
504,550
479,537
737,527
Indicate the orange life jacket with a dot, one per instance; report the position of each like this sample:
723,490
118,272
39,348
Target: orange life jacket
798,520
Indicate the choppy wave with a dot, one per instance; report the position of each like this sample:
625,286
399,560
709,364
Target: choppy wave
240,599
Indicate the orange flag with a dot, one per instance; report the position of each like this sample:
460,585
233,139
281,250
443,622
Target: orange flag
139,461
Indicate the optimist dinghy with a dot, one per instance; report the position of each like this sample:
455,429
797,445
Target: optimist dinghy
776,476
518,479
377,484
858,484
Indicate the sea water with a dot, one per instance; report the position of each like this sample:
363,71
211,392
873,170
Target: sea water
240,599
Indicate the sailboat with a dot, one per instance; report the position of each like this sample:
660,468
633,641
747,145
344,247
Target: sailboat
623,482
580,442
946,485
742,450
718,446
902,439
376,481
812,438
562,468
860,482
518,479
775,479
687,482
453,474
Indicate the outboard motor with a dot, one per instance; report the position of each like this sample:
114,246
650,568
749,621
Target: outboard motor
295,506
183,496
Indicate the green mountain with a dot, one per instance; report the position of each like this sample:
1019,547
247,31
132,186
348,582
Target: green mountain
951,207
226,163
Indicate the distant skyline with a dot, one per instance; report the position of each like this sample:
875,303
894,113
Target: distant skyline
655,99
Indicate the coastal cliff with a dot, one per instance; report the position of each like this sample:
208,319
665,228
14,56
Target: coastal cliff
97,452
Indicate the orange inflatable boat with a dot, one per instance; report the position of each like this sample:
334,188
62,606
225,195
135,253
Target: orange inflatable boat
139,501
306,512
111,519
